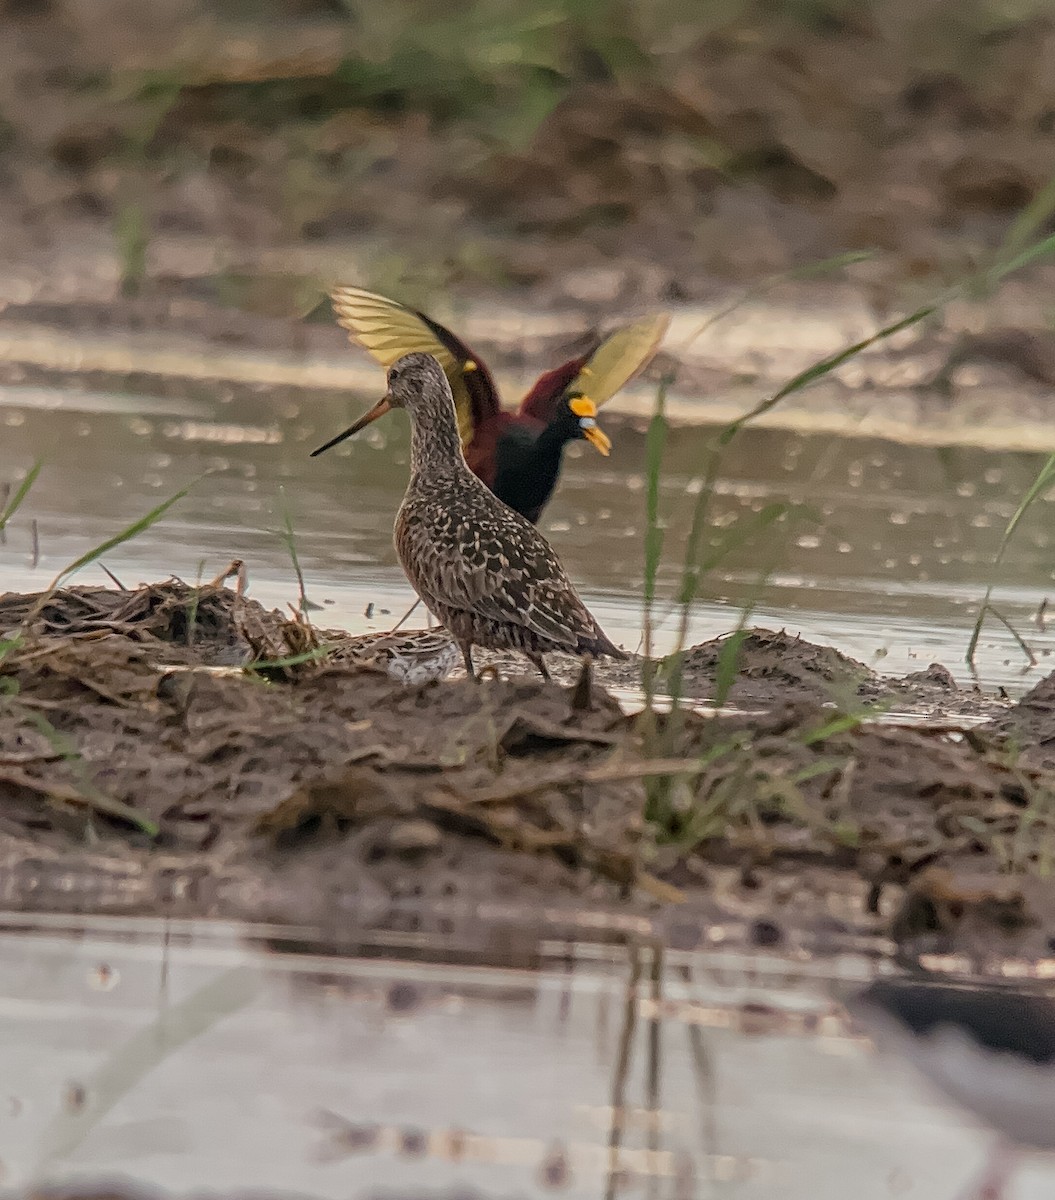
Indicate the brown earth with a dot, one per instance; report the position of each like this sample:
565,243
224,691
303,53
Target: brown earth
179,169
634,159
139,779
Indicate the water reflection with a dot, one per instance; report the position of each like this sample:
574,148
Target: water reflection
886,550
204,1057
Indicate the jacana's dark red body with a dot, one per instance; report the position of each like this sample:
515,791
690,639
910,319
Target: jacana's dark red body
517,453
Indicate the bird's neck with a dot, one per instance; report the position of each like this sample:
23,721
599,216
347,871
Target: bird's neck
550,443
435,446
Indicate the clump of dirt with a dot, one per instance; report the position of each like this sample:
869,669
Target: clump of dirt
1027,729
768,664
772,667
207,624
163,784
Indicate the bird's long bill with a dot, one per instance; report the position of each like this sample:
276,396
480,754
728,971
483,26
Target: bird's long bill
379,410
585,409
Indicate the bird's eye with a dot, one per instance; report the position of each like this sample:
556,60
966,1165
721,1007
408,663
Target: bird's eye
395,372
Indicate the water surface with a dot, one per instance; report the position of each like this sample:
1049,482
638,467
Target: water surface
201,1057
885,553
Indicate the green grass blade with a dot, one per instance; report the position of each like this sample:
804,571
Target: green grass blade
807,271
728,664
1036,214
21,492
824,265
1044,481
746,529
119,539
1023,259
144,1051
655,443
289,540
835,725
826,365
292,660
1020,641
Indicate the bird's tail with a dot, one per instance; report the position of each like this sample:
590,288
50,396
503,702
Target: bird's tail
601,645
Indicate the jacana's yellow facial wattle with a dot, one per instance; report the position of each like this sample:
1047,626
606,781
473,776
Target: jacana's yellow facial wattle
582,406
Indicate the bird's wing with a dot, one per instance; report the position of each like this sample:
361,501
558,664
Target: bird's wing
620,357
514,577
388,330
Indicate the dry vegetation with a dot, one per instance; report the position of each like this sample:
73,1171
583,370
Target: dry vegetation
163,781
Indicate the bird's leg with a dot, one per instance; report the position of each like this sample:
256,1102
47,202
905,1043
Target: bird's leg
995,1174
467,655
540,662
407,614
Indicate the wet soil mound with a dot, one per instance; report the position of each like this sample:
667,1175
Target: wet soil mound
774,667
139,780
207,624
1027,730
769,664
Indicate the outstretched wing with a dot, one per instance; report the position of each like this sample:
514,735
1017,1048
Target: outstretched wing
618,358
388,330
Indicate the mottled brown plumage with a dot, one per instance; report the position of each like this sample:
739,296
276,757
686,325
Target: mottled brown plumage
483,570
410,656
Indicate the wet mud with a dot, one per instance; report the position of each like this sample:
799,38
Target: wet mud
183,750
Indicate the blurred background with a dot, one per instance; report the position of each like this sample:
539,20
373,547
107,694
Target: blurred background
597,151
180,181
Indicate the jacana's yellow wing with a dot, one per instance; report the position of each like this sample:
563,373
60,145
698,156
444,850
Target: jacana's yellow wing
388,330
620,357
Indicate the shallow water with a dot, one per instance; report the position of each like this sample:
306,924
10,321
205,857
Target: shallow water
885,557
209,1057
202,1056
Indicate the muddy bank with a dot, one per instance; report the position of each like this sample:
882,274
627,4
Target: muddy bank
207,172
603,135
775,667
212,625
135,777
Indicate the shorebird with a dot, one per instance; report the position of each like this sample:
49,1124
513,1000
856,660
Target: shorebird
517,454
990,1048
483,570
413,656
